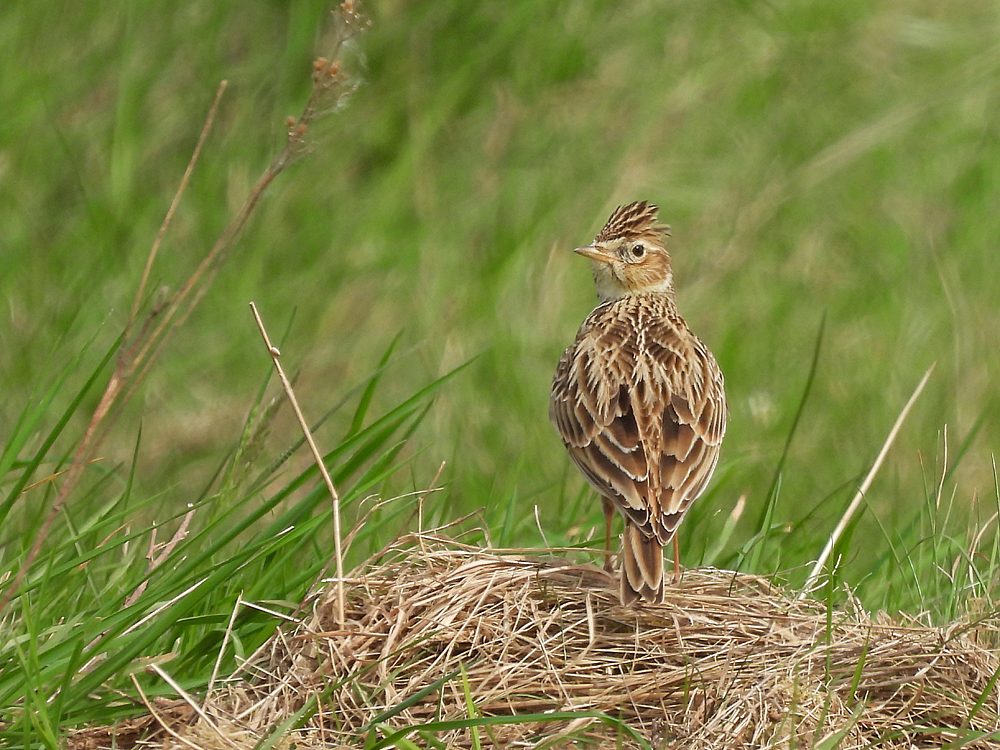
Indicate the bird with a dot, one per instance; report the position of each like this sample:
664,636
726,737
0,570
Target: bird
638,400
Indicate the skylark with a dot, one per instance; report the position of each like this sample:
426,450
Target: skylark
638,399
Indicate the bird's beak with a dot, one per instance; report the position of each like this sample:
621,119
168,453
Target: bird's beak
594,254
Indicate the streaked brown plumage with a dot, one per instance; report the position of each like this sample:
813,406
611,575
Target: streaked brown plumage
638,399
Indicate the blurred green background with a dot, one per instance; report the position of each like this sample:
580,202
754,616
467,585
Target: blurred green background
834,159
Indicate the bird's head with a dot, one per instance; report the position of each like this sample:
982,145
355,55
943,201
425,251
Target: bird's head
628,256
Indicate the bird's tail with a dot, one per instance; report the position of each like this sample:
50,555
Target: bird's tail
642,567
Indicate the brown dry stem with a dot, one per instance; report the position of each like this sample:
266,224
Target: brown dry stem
845,519
317,457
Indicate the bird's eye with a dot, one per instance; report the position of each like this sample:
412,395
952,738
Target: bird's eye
638,251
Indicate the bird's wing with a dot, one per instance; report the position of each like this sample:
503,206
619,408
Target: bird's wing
683,421
630,396
591,409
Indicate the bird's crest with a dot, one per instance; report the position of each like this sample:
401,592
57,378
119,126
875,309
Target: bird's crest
632,222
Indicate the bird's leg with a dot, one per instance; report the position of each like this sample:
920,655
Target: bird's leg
677,560
609,513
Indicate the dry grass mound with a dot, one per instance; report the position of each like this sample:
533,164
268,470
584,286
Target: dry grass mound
452,646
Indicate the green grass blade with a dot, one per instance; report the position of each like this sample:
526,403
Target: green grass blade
34,416
369,392
810,380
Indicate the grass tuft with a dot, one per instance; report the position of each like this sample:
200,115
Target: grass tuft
461,646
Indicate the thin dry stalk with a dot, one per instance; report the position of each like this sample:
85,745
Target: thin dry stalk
194,706
161,721
852,508
141,289
420,502
158,555
317,457
225,642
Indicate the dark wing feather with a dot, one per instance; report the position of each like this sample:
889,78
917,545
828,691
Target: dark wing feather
693,422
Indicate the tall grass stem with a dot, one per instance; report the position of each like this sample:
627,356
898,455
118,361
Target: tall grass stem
852,508
273,351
